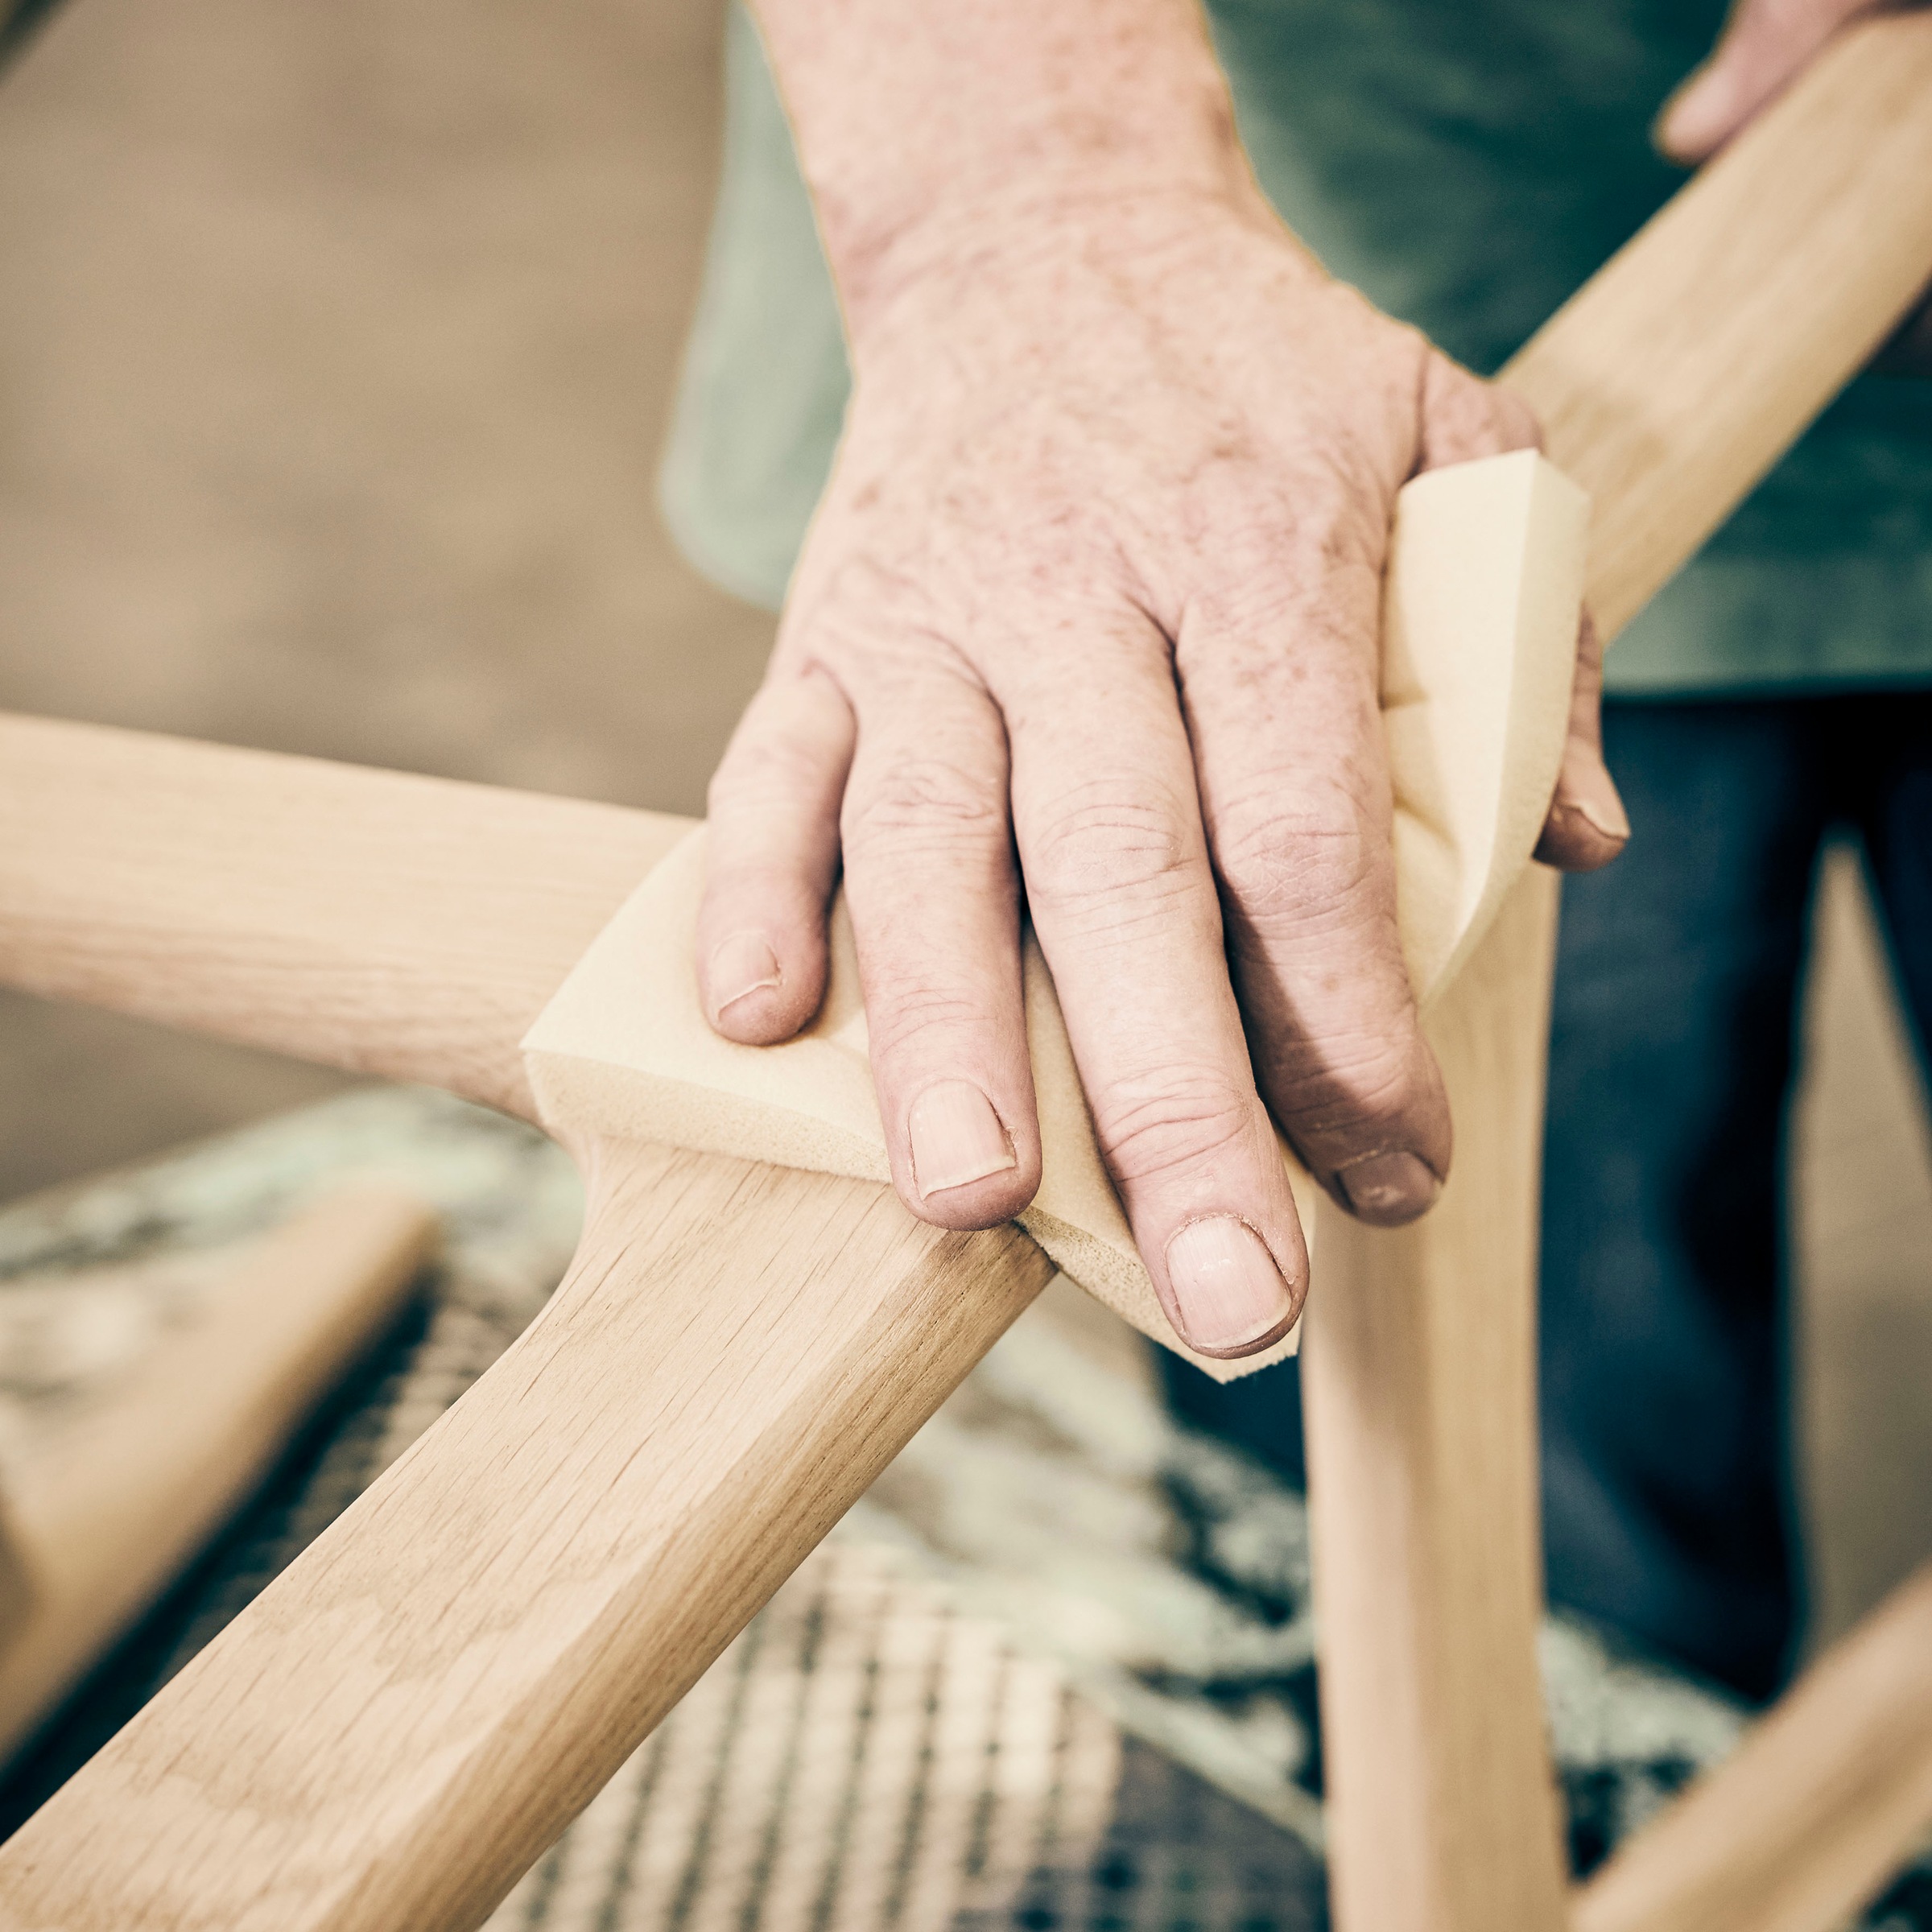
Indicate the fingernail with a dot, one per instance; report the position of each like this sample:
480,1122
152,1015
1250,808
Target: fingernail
741,965
957,1138
1596,799
1389,1189
1227,1293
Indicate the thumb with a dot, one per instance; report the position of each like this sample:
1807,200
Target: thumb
1765,45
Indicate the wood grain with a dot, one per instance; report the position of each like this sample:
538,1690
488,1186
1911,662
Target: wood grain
1683,370
372,920
106,1510
1820,1802
1419,1380
400,1723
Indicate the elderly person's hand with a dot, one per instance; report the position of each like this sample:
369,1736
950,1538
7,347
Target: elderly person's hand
1089,622
1766,44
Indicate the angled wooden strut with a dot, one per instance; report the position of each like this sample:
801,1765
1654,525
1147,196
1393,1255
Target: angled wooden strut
399,1726
396,1727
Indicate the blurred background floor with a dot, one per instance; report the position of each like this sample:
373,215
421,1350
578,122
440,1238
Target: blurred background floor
336,346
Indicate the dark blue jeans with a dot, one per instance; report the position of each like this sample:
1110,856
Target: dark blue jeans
1667,1465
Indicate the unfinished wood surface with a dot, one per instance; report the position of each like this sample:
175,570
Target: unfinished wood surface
375,920
1690,363
106,1510
685,1388
1667,387
398,1726
1820,1804
1419,1381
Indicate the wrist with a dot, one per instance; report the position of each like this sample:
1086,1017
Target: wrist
999,133
1030,266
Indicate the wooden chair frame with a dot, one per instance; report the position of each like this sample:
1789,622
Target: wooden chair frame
396,1729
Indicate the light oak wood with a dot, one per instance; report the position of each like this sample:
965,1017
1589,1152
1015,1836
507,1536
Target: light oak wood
104,1509
1667,387
1419,1381
401,1723
372,920
1696,356
418,1703
1818,1807
416,927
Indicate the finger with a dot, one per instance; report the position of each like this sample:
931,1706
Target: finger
1280,683
934,893
1764,46
773,859
1123,902
1587,826
1463,418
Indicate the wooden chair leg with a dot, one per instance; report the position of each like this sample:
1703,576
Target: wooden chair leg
1419,1374
1666,386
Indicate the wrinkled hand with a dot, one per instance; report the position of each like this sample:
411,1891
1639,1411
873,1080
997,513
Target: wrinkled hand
1765,46
1092,603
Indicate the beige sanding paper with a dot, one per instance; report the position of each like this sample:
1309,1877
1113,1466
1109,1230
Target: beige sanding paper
1480,611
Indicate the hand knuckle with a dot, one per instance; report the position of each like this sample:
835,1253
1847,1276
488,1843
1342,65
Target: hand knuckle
1345,1088
1171,1120
766,772
904,1007
932,801
1107,848
1295,861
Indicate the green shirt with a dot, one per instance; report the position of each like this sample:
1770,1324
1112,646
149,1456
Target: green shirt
1468,163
